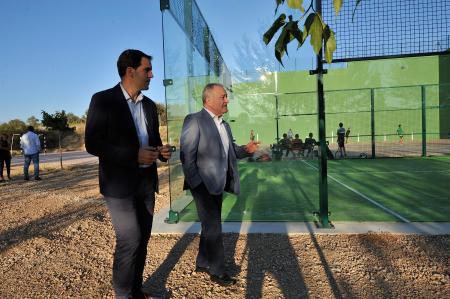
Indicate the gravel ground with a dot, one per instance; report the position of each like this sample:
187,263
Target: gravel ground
56,241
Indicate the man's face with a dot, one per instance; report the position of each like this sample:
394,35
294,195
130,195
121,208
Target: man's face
217,101
143,74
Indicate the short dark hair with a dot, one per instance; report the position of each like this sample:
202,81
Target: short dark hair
30,128
130,58
341,124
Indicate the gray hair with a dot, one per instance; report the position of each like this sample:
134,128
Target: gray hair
208,88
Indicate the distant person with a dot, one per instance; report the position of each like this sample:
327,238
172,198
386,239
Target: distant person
347,134
329,153
400,133
252,135
5,157
209,160
285,144
297,146
122,130
310,142
30,144
341,140
290,134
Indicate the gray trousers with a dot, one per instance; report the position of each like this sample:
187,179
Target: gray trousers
132,221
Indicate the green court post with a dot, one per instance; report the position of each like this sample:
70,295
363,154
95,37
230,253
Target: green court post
323,172
424,123
372,120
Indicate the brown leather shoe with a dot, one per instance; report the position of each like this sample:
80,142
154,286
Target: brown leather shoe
224,279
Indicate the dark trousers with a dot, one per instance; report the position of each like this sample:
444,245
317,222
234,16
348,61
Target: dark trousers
132,221
5,159
210,251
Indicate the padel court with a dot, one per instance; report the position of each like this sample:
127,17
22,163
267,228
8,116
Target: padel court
399,190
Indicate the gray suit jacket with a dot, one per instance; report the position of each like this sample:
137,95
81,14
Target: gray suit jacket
203,157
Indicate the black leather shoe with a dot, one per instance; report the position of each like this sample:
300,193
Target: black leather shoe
26,178
37,179
224,279
199,269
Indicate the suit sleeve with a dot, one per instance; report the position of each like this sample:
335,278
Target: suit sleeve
240,151
96,137
190,136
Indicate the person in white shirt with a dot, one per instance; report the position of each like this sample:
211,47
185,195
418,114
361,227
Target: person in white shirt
30,144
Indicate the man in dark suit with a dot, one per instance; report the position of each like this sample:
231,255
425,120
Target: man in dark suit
209,159
122,130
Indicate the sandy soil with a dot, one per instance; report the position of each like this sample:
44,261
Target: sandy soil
56,241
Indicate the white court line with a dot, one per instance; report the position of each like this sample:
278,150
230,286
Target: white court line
365,197
400,171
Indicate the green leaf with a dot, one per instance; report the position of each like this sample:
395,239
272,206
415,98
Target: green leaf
337,6
307,26
298,35
330,43
267,37
278,2
316,31
281,44
296,4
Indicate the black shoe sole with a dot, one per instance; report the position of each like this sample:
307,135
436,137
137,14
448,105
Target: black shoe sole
222,282
201,270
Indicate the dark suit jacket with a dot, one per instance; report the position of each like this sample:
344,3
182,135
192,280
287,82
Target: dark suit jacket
203,156
111,136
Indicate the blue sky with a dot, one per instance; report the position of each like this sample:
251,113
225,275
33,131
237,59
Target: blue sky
55,54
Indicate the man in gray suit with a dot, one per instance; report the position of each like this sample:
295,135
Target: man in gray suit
209,159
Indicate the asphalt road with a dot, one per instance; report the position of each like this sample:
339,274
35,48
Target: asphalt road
74,157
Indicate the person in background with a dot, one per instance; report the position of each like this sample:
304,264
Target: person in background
310,142
209,160
347,134
5,158
31,146
290,134
341,140
252,135
297,146
122,130
400,133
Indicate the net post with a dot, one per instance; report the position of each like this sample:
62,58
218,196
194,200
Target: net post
424,123
323,175
372,120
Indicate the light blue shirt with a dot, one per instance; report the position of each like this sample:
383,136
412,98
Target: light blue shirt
137,111
30,143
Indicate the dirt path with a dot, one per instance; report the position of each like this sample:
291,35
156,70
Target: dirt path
56,241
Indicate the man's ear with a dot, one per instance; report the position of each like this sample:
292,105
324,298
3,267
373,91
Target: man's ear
130,72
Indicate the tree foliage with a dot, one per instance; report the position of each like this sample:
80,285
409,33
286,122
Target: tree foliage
314,27
14,126
161,109
56,122
33,121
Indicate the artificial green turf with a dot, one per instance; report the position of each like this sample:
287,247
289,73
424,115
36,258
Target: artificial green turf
415,188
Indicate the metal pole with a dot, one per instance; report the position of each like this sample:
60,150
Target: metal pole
323,183
276,106
372,120
424,123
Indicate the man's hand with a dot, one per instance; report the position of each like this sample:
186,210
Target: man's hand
165,151
252,146
147,155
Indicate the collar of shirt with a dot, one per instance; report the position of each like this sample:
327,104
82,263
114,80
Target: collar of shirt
140,97
217,119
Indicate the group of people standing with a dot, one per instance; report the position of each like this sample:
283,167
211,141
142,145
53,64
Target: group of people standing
122,130
30,145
